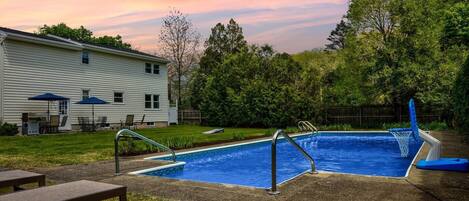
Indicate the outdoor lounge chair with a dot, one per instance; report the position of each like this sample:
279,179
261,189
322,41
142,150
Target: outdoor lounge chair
15,178
78,190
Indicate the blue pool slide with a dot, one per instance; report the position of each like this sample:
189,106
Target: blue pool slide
433,160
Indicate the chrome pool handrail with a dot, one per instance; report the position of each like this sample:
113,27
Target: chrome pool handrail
274,190
133,134
303,125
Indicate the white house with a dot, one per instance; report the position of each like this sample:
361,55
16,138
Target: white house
133,82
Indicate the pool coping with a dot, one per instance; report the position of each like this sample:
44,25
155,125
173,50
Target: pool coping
140,172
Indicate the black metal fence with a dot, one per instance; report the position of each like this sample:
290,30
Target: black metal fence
368,116
372,116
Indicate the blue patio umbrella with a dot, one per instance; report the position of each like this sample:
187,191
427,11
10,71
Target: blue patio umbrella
92,101
48,97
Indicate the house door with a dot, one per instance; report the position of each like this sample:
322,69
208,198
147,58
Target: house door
64,113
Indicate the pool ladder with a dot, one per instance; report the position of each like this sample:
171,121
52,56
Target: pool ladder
126,133
306,125
273,190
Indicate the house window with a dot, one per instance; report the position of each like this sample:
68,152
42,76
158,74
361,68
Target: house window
152,101
118,97
156,101
147,67
85,93
156,69
152,68
148,101
85,57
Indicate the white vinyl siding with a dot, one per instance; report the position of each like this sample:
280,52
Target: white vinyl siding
32,69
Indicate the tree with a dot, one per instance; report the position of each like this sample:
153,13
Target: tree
457,24
457,33
337,36
179,42
223,41
83,35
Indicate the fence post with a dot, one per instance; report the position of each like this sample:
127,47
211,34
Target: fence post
361,115
182,116
200,117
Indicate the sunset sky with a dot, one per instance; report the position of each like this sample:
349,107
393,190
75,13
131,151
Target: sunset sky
289,25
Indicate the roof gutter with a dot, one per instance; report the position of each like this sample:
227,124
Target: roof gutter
123,53
41,41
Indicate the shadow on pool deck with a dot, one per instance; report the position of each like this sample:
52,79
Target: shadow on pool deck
420,185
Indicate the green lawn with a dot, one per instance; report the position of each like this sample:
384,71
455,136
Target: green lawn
55,150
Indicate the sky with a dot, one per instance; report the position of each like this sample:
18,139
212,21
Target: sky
289,25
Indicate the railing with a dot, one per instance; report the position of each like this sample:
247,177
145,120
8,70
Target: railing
130,134
274,190
306,125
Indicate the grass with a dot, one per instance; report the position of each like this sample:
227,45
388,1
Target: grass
26,152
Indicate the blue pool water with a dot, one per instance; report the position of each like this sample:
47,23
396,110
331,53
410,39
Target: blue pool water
250,164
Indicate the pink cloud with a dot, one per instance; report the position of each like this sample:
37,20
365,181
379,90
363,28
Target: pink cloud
138,21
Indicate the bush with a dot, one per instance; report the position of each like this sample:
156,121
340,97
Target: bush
292,130
434,126
238,136
269,132
129,146
387,126
178,142
7,129
461,99
336,127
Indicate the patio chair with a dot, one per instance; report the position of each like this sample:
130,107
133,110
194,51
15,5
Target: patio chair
82,190
141,123
102,122
15,178
84,123
54,123
129,122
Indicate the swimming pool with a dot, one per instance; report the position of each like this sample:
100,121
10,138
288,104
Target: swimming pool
248,164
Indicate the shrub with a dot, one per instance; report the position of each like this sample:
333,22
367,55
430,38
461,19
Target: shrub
238,136
128,146
336,127
178,142
292,130
387,126
7,129
434,126
269,132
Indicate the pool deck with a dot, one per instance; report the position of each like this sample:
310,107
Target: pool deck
420,184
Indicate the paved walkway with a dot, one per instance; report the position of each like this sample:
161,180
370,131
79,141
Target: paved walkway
420,185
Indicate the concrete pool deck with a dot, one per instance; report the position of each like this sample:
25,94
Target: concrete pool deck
419,185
